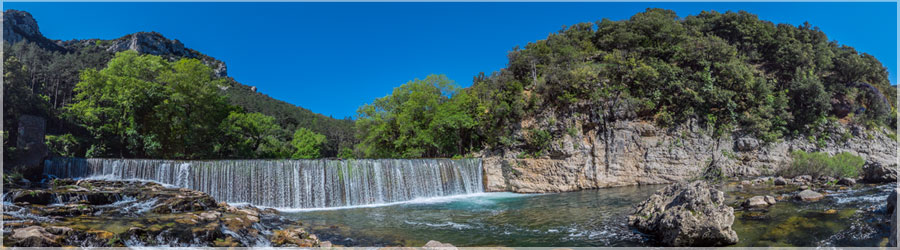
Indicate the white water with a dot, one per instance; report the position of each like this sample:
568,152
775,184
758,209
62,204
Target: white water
292,184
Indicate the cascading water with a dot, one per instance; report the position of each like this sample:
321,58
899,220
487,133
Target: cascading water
291,183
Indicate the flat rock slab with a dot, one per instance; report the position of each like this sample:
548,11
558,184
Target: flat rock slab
809,195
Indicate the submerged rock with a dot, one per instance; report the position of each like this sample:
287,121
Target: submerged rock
686,214
875,172
809,195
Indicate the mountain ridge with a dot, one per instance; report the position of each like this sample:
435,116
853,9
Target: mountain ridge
21,26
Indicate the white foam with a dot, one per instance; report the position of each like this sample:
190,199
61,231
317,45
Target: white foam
424,200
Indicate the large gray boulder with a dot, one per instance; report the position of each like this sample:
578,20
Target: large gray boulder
686,214
875,172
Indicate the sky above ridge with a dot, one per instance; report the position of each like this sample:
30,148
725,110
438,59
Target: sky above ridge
333,57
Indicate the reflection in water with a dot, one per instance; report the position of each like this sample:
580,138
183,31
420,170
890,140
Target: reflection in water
595,218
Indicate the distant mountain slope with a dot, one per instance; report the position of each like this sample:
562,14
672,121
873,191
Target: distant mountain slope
56,65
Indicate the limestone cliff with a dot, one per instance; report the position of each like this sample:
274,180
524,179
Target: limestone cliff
640,153
21,26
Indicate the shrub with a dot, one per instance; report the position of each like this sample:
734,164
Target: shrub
818,164
538,141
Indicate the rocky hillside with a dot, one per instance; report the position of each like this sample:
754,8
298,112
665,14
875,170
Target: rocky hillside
659,98
57,79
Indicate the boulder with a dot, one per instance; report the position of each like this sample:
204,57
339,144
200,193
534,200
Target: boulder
746,144
686,214
809,195
875,172
846,182
34,236
437,245
771,200
802,179
780,181
756,202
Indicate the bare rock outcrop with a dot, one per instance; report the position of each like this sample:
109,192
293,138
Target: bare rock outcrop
640,153
20,26
156,44
686,214
877,172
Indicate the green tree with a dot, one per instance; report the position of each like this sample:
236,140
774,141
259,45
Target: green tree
400,124
252,135
146,106
307,144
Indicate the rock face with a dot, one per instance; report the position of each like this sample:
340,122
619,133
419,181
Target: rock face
156,44
686,214
876,172
20,26
639,153
809,195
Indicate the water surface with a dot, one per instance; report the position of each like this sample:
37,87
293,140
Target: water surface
596,218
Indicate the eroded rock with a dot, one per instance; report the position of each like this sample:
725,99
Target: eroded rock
686,214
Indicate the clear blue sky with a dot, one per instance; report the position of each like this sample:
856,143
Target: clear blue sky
333,57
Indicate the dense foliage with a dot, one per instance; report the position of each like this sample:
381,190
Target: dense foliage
817,164
307,144
41,81
731,72
422,118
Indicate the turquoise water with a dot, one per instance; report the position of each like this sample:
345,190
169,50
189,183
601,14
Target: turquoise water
586,218
593,218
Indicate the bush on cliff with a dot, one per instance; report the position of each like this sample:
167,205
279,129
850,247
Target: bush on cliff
818,164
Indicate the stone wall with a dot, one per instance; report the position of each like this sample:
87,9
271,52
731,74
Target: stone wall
31,149
640,153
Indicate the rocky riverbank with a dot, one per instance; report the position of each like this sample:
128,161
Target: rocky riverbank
773,211
640,153
96,213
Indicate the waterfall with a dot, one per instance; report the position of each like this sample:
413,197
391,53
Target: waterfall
291,183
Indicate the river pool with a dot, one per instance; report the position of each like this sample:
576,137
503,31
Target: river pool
594,218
